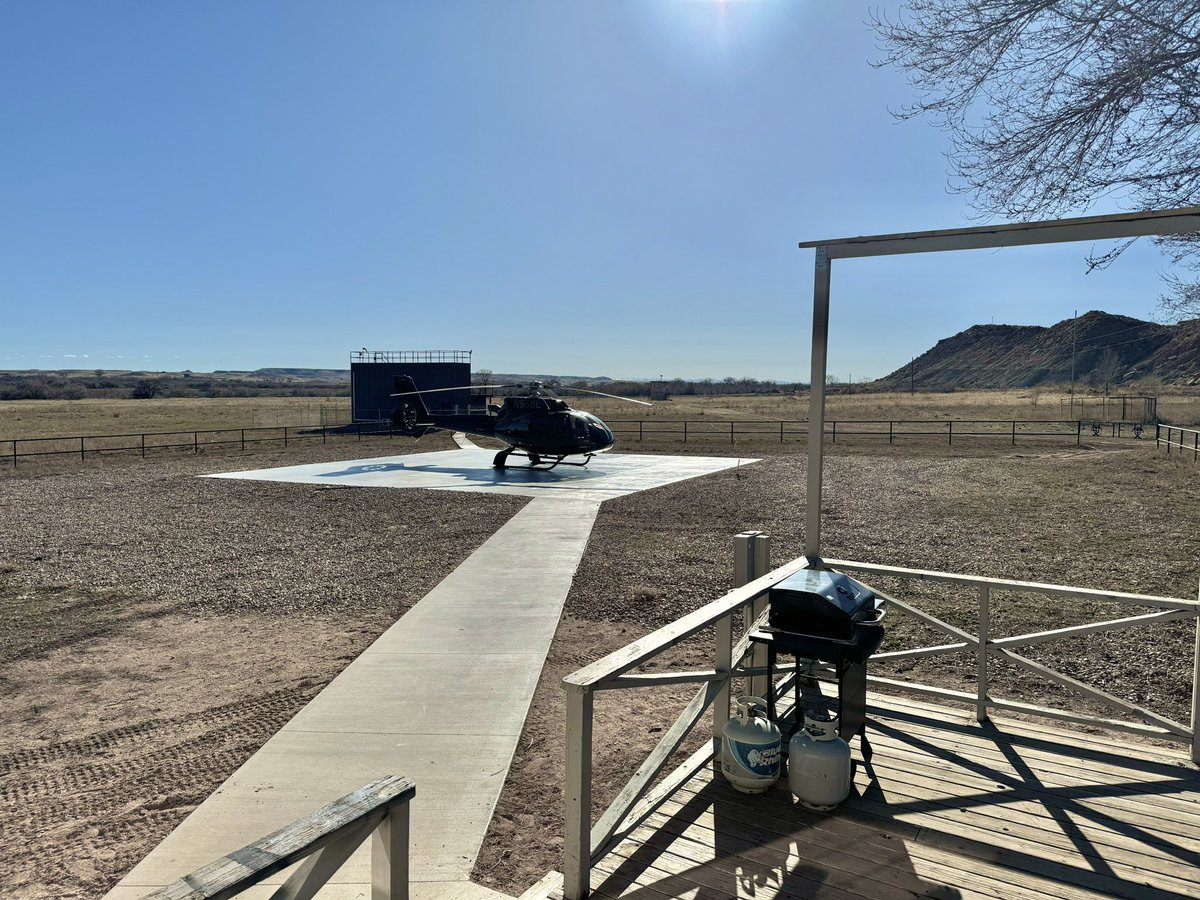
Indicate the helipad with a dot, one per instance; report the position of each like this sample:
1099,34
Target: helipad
606,476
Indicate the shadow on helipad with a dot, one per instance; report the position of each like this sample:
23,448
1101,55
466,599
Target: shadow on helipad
606,476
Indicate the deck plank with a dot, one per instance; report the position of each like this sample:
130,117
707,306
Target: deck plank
945,809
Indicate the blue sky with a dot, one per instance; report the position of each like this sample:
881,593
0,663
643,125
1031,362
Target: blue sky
612,187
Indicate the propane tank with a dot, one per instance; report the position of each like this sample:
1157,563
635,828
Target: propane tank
819,762
751,747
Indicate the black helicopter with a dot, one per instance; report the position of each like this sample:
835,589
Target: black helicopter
537,425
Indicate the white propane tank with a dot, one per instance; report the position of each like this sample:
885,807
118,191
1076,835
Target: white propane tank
751,747
819,763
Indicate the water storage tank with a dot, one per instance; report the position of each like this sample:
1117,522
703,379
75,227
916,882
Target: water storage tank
819,762
751,747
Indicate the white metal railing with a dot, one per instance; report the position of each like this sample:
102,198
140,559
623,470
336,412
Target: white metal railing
1182,439
585,842
323,840
734,657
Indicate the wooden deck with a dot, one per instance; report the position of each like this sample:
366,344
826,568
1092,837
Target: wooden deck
942,808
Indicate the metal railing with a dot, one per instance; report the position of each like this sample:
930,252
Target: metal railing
891,429
145,443
734,657
1183,440
410,356
323,840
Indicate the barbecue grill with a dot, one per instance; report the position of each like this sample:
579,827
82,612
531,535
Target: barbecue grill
827,617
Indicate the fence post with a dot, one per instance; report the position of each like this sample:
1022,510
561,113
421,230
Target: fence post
577,795
781,431
641,422
143,446
751,560
1014,436
950,433
243,439
730,432
834,423
389,855
14,454
285,428
81,449
723,663
1196,698
890,432
322,428
981,713
1078,431
685,431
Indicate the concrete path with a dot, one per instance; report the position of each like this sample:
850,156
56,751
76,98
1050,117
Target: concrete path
441,696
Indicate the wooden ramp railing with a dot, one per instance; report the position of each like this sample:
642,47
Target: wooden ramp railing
323,840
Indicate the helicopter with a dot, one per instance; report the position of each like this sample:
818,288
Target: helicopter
537,425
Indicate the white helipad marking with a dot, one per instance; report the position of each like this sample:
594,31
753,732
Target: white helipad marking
606,476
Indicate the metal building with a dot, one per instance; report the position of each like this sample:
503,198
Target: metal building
372,373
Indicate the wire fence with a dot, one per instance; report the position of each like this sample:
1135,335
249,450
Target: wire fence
1179,440
12,450
891,430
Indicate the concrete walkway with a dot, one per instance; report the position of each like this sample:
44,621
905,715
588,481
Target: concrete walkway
441,697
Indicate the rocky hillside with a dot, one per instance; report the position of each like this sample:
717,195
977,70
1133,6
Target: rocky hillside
1007,356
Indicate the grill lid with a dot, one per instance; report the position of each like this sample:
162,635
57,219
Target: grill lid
839,591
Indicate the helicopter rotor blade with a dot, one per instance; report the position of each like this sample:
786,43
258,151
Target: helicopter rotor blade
463,387
602,394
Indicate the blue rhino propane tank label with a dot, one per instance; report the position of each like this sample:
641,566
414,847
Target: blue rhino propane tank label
759,759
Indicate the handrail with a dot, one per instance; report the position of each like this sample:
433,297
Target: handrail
585,842
324,840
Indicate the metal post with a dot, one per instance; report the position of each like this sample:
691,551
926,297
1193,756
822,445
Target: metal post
1196,698
143,446
723,663
577,795
322,429
14,443
835,431
1014,438
781,431
889,432
816,403
950,433
751,560
981,713
285,435
641,422
389,856
81,449
195,442
243,439
685,431
1078,431
730,432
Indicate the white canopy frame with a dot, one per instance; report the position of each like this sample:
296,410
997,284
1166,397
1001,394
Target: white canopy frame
1087,228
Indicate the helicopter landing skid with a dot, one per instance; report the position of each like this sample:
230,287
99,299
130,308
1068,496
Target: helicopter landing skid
535,461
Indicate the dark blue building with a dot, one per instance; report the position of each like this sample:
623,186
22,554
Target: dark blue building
372,372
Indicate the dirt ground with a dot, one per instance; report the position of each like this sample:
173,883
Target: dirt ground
157,628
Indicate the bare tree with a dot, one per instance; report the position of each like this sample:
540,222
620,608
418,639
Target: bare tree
1108,369
1052,104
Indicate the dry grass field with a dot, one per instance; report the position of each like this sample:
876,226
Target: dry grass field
159,627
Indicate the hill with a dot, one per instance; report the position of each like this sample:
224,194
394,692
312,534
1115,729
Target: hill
1015,356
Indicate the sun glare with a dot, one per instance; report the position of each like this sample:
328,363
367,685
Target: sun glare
717,29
